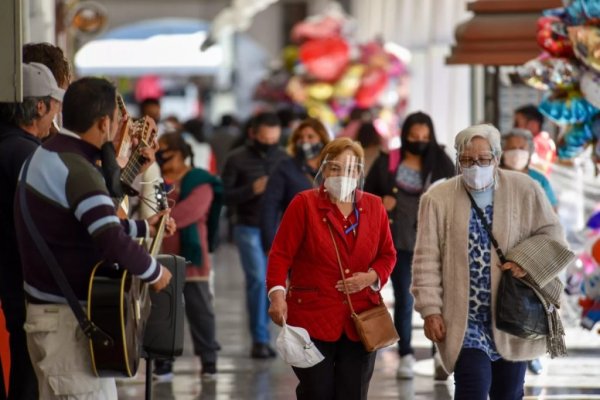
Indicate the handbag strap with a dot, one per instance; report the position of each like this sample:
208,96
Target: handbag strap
91,330
337,253
487,227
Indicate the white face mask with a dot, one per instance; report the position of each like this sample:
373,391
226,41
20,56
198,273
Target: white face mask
478,178
340,187
516,159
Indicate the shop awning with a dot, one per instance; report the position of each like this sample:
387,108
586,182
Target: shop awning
501,32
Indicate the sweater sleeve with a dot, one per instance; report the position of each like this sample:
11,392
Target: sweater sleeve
427,264
194,207
88,198
287,242
386,253
234,193
376,180
271,206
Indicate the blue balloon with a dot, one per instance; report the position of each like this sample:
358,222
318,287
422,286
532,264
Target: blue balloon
594,221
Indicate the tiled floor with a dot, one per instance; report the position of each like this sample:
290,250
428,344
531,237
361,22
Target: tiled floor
239,377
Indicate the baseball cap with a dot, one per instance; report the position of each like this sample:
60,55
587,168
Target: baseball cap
38,81
296,348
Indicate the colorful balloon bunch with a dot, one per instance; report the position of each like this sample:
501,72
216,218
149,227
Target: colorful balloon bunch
329,74
569,71
585,278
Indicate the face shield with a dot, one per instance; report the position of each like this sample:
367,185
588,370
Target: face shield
341,177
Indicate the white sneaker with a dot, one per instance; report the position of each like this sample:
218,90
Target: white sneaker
406,367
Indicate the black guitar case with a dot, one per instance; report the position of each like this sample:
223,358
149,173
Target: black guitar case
163,338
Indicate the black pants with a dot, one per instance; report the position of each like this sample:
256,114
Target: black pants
22,382
201,318
344,374
403,301
476,376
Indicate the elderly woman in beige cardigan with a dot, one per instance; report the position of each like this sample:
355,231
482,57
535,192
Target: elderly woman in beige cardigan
456,271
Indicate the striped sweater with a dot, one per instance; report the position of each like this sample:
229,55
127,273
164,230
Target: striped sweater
70,205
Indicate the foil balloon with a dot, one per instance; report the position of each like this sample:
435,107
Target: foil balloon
290,57
573,109
296,90
319,28
574,141
545,73
342,107
594,221
550,40
321,111
320,91
586,45
590,87
325,59
347,85
373,83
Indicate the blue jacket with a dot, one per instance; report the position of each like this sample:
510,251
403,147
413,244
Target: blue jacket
289,178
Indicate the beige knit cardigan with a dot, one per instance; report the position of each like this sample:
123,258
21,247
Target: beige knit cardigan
440,282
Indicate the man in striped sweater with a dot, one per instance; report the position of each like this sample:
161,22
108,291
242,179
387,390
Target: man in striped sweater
69,202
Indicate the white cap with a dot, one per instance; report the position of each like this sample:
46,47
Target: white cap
296,348
38,81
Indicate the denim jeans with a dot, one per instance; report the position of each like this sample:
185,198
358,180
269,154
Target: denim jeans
476,376
254,263
403,300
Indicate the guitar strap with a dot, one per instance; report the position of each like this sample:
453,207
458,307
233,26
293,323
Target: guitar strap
88,327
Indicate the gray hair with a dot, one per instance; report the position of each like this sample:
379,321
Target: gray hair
486,131
25,113
522,133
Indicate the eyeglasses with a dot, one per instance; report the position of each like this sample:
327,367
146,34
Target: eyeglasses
468,162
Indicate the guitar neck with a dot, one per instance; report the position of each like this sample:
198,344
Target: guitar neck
157,241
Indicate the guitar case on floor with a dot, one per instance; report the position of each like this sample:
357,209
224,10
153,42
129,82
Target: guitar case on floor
163,338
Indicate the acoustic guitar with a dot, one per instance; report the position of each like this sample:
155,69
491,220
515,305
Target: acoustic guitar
119,304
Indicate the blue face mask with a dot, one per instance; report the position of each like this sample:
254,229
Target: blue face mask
478,178
308,151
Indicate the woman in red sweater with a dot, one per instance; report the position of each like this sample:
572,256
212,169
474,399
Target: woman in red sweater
304,278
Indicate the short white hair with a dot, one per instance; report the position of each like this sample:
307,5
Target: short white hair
522,133
486,131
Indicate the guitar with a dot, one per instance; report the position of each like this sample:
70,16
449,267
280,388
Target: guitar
119,304
142,130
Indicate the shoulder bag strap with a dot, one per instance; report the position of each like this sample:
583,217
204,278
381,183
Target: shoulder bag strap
487,227
88,327
337,253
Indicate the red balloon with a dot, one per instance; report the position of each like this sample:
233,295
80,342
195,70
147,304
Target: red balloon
326,58
596,251
373,83
549,40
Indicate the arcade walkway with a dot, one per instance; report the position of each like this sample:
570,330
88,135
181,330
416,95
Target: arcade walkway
240,377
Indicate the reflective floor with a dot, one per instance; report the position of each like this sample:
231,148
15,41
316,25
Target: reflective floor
240,377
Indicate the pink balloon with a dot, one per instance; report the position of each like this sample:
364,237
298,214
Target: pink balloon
325,59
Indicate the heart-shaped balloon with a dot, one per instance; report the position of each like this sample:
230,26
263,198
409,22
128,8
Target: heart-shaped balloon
372,84
325,59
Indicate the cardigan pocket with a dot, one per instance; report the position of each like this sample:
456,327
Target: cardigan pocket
302,295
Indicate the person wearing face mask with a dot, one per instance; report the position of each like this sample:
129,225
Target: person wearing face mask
314,297
518,147
70,205
292,175
400,178
245,177
456,270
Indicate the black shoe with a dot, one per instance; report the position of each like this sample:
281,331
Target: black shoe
163,370
535,366
262,350
208,370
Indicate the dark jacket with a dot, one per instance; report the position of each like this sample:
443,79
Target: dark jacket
289,178
16,146
403,218
244,165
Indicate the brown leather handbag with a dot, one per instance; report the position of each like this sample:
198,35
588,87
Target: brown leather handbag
374,326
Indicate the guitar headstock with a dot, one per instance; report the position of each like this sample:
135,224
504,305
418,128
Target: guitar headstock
160,195
142,131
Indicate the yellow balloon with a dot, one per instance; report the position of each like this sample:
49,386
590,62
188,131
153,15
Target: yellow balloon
321,111
296,90
320,91
348,84
290,56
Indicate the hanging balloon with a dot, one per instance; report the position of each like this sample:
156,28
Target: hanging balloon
373,83
596,251
586,44
320,91
290,57
549,40
325,59
590,87
573,109
347,85
574,141
321,111
296,91
396,67
594,221
546,72
342,107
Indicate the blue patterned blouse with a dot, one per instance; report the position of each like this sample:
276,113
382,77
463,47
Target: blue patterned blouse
479,329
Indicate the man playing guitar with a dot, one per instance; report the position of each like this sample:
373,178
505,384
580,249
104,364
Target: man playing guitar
69,203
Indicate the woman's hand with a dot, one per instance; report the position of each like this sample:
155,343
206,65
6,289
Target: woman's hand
357,282
516,270
435,328
389,202
278,307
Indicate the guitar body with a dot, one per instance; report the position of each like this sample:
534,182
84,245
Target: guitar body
119,304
